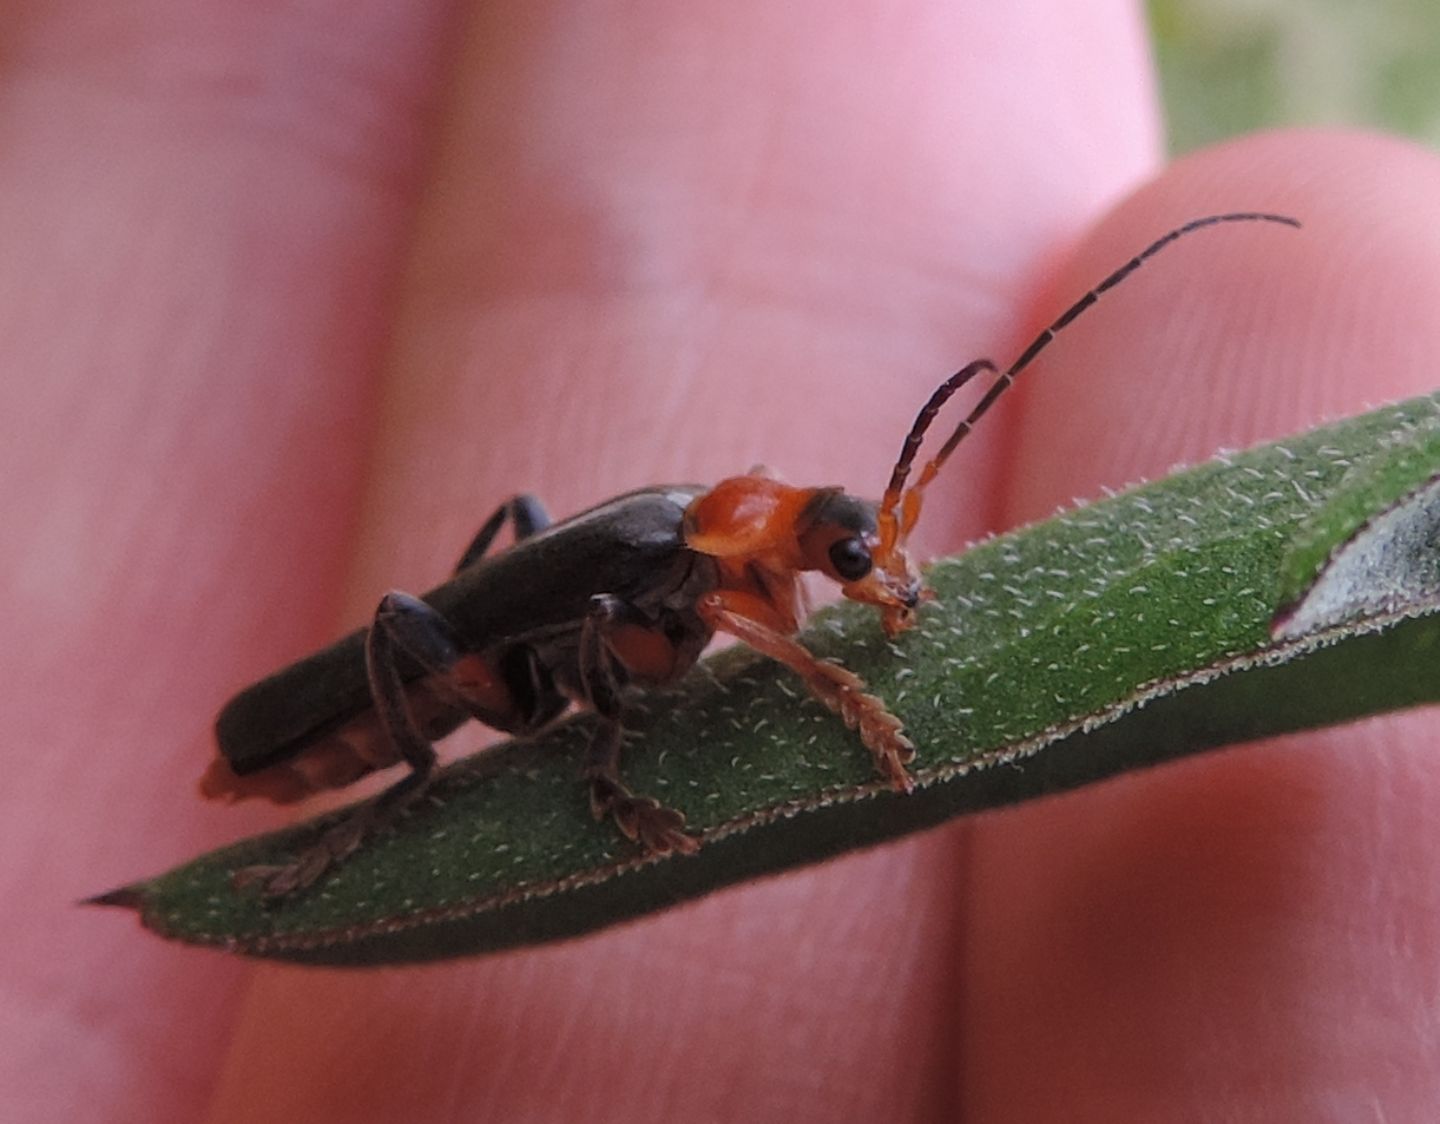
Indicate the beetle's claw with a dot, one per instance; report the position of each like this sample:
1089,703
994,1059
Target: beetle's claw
892,767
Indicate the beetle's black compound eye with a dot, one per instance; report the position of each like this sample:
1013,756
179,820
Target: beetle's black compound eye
851,558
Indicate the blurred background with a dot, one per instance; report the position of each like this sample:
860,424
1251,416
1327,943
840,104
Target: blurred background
1230,66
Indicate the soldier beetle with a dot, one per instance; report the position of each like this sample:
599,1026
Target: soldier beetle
620,597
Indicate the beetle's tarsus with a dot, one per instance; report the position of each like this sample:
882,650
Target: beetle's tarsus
880,731
641,819
272,881
280,880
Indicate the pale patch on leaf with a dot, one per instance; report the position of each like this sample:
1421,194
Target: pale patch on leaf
1390,565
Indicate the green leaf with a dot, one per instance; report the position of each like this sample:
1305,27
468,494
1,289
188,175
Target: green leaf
1118,635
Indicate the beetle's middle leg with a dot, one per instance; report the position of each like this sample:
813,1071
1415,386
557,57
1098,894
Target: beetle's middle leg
615,640
406,624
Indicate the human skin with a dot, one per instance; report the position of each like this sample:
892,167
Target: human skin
292,298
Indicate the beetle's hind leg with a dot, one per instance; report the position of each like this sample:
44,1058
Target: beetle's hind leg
527,515
402,623
613,627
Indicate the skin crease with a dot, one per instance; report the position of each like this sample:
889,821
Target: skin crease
285,313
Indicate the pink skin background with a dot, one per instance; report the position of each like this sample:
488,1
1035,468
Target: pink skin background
293,294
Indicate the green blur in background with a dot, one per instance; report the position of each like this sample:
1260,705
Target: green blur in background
1234,66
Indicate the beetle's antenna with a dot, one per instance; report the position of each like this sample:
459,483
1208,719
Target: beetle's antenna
891,500
906,509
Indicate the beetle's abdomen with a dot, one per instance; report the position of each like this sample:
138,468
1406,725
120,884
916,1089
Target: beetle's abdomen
339,758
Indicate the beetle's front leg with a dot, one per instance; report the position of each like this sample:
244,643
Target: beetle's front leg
746,617
611,629
401,623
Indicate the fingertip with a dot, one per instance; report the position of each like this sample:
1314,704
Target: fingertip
1206,878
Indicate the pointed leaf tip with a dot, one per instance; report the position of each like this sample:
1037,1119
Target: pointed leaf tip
125,897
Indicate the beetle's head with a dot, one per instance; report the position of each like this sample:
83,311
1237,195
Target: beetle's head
841,536
865,543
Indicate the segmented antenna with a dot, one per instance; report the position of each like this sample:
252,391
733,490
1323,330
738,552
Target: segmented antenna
909,505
